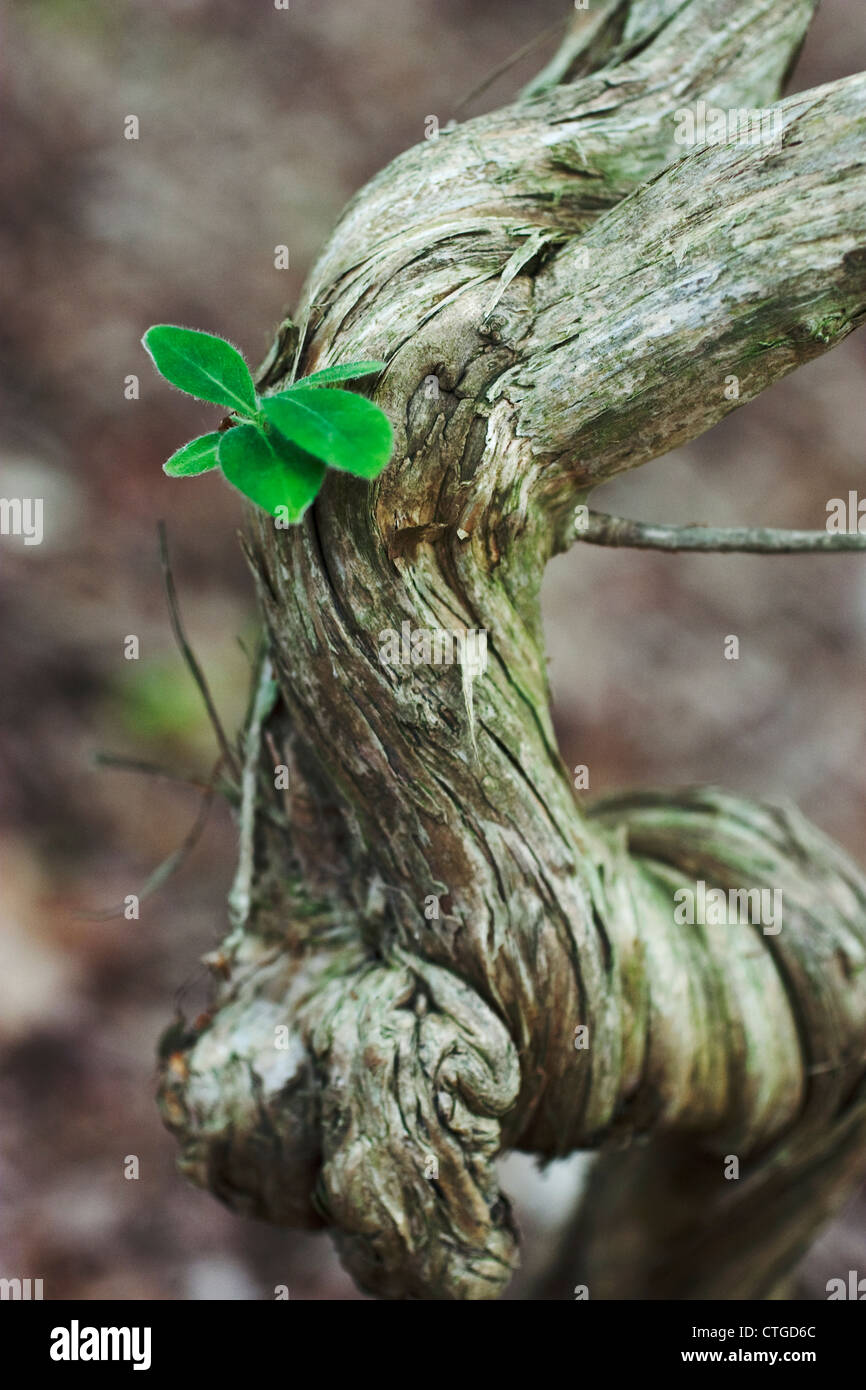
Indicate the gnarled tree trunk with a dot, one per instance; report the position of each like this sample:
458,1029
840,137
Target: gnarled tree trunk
578,288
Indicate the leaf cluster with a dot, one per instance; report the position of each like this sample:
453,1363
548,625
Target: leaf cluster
277,447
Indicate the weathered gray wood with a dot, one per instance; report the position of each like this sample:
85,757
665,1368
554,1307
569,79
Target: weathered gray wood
578,299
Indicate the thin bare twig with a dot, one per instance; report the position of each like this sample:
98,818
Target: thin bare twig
118,762
189,656
509,63
163,872
598,528
240,897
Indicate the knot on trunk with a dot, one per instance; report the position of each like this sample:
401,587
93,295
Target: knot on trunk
372,1105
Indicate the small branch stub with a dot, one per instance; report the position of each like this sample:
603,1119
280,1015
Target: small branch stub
599,528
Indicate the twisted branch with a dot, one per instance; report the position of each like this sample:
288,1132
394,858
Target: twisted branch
447,958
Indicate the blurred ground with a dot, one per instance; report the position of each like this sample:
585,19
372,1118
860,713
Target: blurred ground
256,125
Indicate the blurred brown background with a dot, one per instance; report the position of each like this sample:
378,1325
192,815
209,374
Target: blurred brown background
256,125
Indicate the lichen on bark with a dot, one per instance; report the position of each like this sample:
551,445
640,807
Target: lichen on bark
525,263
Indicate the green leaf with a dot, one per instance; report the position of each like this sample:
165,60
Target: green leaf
206,367
271,474
198,456
347,372
345,430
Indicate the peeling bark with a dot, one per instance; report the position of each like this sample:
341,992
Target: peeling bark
579,288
